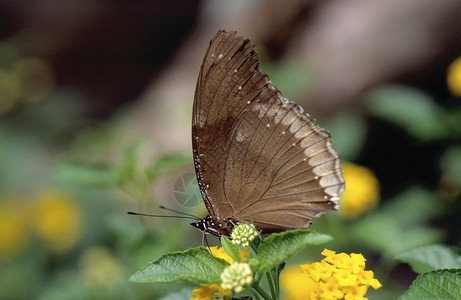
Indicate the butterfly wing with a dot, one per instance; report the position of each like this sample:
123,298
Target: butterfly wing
217,108
285,172
258,158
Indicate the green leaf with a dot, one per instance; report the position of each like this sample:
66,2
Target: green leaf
411,109
196,265
231,249
129,164
433,257
450,161
166,163
453,116
279,247
439,284
254,263
88,176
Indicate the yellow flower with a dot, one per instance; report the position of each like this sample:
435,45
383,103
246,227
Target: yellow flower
297,285
219,252
348,279
454,77
366,277
356,292
13,228
214,291
345,277
318,269
362,190
210,291
58,220
329,289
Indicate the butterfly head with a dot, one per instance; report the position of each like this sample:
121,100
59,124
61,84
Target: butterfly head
215,227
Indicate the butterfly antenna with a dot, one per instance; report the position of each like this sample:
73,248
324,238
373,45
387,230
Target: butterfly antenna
179,212
163,216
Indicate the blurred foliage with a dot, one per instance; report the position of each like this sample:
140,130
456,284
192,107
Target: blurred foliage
400,223
22,78
432,257
348,130
289,77
411,109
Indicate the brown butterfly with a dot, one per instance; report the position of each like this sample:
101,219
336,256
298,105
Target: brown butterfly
259,158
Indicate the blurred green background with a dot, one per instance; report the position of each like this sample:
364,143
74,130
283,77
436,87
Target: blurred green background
95,113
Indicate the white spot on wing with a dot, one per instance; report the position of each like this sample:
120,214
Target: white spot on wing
241,136
201,120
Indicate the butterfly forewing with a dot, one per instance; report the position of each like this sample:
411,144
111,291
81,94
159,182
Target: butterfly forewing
228,64
258,158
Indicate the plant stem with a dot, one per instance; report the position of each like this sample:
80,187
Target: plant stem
256,296
271,285
253,247
262,292
277,286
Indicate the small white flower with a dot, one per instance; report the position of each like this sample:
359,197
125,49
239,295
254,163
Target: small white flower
243,234
236,276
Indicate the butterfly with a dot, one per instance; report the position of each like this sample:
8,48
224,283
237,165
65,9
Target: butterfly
259,159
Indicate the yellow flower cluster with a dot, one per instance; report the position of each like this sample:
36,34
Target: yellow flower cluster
13,228
296,285
340,276
52,215
215,291
362,190
58,221
454,77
